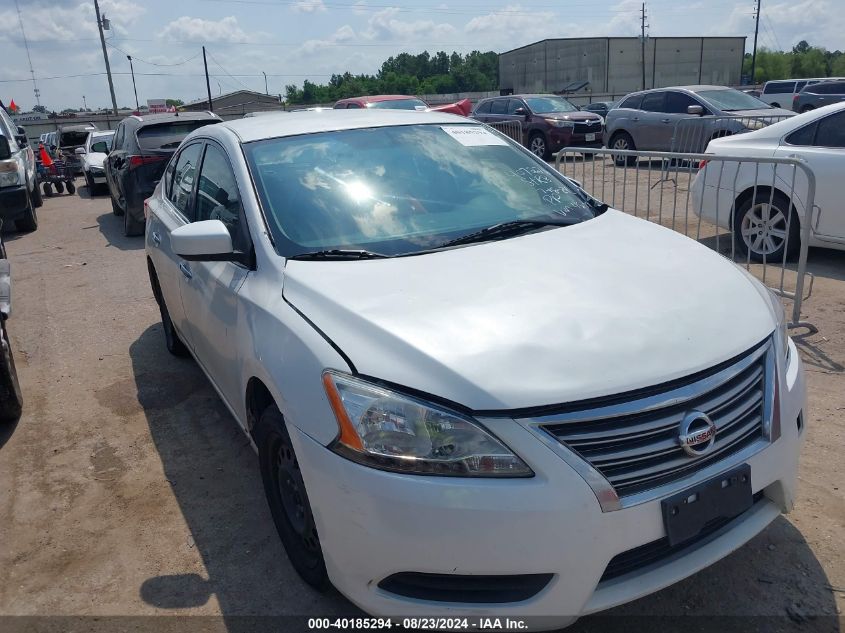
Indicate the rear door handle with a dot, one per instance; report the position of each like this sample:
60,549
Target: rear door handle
156,239
185,270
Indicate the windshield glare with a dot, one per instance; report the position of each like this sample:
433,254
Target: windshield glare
399,104
401,190
732,100
546,105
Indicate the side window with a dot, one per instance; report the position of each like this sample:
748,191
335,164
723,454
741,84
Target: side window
633,102
831,131
803,136
217,192
499,106
352,105
484,108
653,102
118,136
183,179
779,87
677,102
513,104
800,86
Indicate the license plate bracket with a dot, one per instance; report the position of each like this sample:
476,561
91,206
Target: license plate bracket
590,137
688,512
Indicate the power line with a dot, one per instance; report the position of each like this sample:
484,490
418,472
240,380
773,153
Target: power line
774,34
138,59
227,72
28,57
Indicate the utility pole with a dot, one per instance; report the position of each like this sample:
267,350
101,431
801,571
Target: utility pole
266,91
643,26
132,69
207,82
84,104
102,23
754,53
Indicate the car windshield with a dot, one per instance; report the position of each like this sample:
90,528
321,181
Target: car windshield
399,104
732,100
404,189
546,105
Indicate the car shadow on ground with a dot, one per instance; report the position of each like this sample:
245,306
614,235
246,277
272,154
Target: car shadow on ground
111,226
6,431
213,472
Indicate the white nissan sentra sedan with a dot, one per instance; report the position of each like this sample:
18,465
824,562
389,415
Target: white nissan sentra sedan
472,388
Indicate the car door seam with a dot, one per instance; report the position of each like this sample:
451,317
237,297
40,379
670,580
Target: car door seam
325,336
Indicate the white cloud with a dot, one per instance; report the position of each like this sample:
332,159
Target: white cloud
198,30
308,6
384,25
512,26
343,35
819,22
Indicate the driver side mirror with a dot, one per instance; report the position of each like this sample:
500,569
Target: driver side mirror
520,112
695,110
206,240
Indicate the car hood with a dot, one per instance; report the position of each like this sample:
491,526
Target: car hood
95,159
764,112
571,116
599,308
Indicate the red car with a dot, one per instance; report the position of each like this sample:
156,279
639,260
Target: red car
402,102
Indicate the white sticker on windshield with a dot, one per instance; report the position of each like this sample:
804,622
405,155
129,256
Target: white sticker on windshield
472,135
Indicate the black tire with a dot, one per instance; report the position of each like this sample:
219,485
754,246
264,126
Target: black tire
539,146
29,220
37,200
131,226
71,188
623,141
807,108
775,104
59,185
48,189
89,183
764,235
11,400
115,208
171,337
288,500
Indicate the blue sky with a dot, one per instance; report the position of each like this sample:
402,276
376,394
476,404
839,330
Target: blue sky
292,40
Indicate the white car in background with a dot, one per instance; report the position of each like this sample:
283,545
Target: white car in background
473,389
763,221
92,155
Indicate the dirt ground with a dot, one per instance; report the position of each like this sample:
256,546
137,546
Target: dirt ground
127,490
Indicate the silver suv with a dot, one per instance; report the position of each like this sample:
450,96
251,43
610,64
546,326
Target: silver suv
648,120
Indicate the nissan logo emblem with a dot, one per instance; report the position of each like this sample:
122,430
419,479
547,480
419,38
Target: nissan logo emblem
697,434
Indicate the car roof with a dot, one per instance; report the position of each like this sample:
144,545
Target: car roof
95,133
378,98
259,128
151,119
526,96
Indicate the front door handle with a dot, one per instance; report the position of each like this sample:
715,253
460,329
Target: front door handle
636,118
185,270
156,239
665,120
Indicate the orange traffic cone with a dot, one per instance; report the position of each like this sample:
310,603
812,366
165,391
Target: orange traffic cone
45,157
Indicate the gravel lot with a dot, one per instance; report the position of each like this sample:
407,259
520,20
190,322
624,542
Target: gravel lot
127,489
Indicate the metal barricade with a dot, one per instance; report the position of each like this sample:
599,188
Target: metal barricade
692,134
511,129
756,211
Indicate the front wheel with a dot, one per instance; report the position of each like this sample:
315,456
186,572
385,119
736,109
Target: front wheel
807,108
538,146
288,500
764,230
29,220
623,141
60,188
37,200
11,400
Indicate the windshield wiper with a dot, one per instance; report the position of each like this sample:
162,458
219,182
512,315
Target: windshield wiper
503,230
339,253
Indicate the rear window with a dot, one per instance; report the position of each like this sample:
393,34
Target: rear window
827,88
167,135
399,104
779,87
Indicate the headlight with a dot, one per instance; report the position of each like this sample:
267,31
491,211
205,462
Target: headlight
781,333
390,431
11,172
559,123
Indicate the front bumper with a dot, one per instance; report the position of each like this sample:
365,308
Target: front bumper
14,201
98,176
373,524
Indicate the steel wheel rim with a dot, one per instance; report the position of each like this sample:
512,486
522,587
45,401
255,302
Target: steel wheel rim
538,146
763,229
291,491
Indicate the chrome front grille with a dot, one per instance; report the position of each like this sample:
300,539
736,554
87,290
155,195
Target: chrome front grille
633,443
